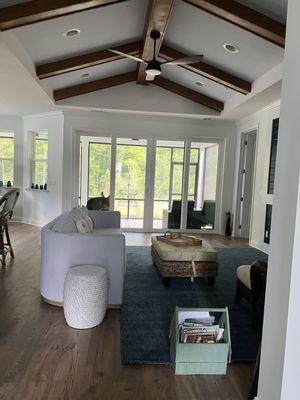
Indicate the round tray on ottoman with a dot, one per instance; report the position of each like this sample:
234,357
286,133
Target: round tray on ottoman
190,261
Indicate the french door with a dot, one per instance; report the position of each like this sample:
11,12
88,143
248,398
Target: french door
155,184
130,180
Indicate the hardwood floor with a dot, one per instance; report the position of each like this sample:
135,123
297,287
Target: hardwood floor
42,358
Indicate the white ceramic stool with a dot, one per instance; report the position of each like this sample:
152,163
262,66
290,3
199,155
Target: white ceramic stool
85,296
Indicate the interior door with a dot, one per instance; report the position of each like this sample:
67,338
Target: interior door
246,182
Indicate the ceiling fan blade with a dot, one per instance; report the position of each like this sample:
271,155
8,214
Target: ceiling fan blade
127,56
150,77
185,60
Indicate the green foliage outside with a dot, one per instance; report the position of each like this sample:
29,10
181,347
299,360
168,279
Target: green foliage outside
6,159
40,161
99,169
130,180
211,171
131,171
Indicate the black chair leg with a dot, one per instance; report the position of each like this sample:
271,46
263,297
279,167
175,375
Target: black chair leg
2,247
12,254
254,386
238,294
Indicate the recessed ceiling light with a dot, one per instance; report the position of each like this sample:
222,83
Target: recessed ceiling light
199,83
71,32
86,75
231,48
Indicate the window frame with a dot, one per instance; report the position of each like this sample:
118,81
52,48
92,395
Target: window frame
43,135
9,135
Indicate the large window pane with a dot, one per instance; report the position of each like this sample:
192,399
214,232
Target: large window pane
211,171
168,183
130,181
41,149
41,172
6,171
99,169
192,181
6,147
162,170
202,186
6,157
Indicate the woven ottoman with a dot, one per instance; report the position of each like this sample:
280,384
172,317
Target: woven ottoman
184,261
85,296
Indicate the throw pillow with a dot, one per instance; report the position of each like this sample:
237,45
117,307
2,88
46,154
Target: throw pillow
64,224
83,226
89,222
78,212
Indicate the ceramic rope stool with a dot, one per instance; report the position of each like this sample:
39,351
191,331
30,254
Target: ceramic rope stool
85,296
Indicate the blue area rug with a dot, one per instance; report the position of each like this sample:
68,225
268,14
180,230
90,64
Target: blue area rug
148,306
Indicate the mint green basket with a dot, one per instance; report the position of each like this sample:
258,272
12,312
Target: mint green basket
202,358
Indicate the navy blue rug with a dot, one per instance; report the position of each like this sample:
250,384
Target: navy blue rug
148,306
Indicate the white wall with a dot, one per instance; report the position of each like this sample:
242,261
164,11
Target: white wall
279,370
131,96
262,123
15,124
39,207
147,126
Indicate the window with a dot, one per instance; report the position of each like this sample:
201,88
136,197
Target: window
40,158
6,157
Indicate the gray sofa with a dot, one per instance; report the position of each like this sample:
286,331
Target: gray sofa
104,246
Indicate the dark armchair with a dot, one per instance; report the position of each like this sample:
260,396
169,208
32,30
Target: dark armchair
7,205
175,214
251,285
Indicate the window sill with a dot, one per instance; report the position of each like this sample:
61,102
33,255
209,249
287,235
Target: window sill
37,190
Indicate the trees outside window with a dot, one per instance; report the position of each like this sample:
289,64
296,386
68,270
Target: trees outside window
40,158
6,157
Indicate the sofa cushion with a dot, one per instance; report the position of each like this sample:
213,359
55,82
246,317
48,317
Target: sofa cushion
107,231
64,224
243,274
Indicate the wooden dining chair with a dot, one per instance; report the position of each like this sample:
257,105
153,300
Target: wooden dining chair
7,205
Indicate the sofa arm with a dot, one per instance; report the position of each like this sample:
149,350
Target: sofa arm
60,251
105,219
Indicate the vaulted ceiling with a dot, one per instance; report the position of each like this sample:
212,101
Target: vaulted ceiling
74,66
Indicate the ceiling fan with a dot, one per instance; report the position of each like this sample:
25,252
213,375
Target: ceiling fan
153,68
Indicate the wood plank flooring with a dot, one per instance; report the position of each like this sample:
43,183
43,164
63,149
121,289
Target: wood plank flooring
42,358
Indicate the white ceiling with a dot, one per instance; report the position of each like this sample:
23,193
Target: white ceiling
190,30
197,32
100,28
104,71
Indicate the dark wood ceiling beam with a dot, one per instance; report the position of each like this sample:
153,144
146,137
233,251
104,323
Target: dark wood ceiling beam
244,17
42,10
208,71
86,60
93,86
158,15
188,93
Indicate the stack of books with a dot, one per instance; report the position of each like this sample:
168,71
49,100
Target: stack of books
200,330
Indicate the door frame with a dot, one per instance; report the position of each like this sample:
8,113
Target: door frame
242,159
150,173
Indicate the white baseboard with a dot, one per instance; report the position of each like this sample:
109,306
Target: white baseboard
30,222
